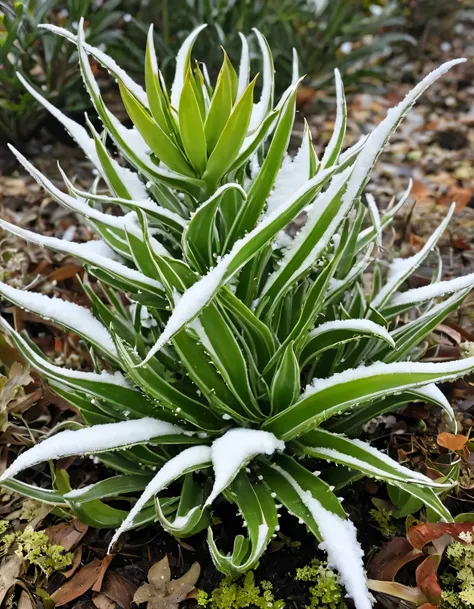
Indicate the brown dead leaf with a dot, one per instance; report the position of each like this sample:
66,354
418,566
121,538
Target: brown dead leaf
67,271
67,534
163,593
422,534
81,582
427,579
391,558
10,569
18,377
451,441
24,602
118,589
101,601
419,190
76,562
461,196
105,565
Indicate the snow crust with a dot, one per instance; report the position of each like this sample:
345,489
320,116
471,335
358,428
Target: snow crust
340,543
401,268
260,109
94,439
293,174
107,61
181,58
418,295
244,67
234,450
445,371
84,253
360,325
338,125
70,314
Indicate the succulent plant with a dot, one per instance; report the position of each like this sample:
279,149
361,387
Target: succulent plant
232,361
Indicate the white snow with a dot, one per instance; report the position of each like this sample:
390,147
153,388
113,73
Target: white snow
340,543
323,201
244,67
107,61
339,124
174,468
353,149
377,139
116,378
406,475
76,131
94,439
293,174
295,68
234,450
443,371
434,290
375,216
203,290
77,318
181,65
360,325
99,247
432,393
401,268
125,223
84,253
261,108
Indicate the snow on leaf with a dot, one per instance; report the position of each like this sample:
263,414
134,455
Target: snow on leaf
91,440
67,313
234,450
340,543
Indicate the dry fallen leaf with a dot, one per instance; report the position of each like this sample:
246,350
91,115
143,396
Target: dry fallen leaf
10,569
24,602
18,377
119,589
102,601
163,593
67,534
451,441
81,582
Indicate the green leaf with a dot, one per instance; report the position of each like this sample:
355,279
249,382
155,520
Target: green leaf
221,105
328,397
285,387
157,98
260,514
230,140
354,421
161,145
191,127
332,334
359,455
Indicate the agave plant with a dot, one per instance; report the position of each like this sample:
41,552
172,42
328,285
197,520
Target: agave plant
231,359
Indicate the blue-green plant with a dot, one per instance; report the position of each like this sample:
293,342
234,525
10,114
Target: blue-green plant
231,360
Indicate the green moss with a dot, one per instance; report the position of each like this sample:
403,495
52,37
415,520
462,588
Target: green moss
325,591
458,579
383,520
34,547
240,594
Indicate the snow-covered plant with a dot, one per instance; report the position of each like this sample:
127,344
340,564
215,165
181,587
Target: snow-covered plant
231,360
